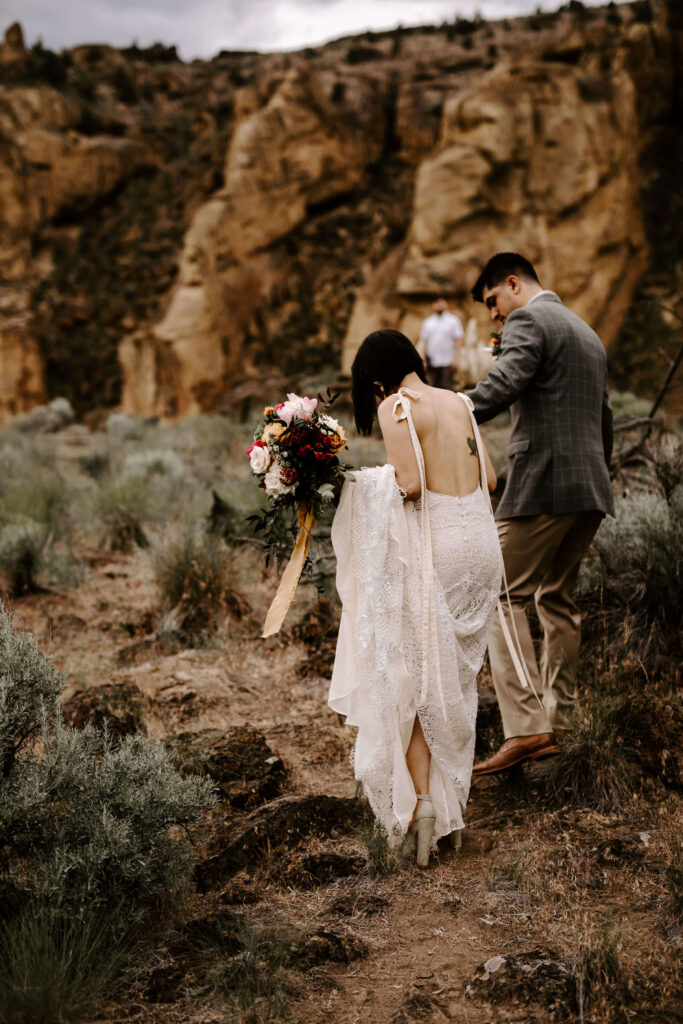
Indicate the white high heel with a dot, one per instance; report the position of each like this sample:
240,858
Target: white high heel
422,828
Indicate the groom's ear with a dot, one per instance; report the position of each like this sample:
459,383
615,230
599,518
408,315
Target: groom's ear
514,284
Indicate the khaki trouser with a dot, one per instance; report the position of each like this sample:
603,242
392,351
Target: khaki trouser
441,377
542,555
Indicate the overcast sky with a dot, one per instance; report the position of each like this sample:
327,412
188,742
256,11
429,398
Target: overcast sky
200,28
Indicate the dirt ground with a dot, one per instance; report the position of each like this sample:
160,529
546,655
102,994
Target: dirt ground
526,879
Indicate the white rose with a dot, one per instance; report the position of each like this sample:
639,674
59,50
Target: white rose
275,486
259,459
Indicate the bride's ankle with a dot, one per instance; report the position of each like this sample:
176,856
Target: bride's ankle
423,807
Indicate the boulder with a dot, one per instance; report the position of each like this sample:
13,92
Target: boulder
246,771
119,705
282,823
325,945
538,977
310,870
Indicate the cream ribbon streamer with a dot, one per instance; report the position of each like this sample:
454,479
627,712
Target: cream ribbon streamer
515,650
429,627
285,592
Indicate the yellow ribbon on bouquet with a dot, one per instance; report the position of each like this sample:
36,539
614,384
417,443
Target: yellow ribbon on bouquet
290,577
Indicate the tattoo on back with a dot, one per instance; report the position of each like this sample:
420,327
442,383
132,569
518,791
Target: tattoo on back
472,445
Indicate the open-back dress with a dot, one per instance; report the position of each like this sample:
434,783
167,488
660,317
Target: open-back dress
419,582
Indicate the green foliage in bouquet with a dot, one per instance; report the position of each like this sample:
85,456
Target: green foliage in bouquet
295,456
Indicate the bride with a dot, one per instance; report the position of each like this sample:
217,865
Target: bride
418,573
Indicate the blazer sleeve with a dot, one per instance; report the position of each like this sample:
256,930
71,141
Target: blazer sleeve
520,355
607,427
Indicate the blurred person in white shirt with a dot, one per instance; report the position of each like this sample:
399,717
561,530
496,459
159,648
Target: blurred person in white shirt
441,336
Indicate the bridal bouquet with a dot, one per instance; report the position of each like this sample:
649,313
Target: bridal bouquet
295,456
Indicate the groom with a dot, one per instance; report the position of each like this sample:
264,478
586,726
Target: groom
551,374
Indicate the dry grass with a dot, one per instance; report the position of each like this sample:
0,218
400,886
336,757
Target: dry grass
585,858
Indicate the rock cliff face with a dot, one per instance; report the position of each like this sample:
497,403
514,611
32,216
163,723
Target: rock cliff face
292,154
48,170
542,156
171,229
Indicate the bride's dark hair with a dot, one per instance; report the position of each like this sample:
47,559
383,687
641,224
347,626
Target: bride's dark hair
385,357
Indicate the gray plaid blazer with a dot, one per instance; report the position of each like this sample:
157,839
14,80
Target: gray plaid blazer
551,373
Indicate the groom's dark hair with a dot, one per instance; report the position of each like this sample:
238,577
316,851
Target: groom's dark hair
385,357
499,268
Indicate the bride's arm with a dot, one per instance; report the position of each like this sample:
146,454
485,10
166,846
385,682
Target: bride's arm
399,448
491,478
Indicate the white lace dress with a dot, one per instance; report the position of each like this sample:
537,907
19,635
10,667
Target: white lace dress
419,582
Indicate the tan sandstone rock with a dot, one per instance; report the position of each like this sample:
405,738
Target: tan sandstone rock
293,153
46,168
526,162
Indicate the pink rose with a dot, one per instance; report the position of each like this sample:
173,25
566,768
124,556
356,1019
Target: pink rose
296,407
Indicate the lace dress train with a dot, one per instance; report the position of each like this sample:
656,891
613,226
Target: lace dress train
419,582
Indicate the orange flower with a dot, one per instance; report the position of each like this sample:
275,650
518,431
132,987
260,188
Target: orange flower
338,439
272,430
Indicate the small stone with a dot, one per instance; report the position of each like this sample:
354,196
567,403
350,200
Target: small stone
493,965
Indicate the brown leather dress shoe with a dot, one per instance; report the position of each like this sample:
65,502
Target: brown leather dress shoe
516,750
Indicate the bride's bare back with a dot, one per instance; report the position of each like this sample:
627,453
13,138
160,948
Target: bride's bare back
445,433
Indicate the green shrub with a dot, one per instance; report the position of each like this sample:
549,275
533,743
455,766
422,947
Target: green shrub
88,826
125,427
122,507
627,406
89,823
613,16
252,981
632,580
598,767
624,734
29,692
643,12
21,550
192,573
125,86
47,66
95,465
35,493
151,461
359,54
383,857
54,969
598,977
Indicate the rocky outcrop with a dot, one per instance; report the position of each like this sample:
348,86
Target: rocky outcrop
13,56
47,169
293,154
540,157
296,202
